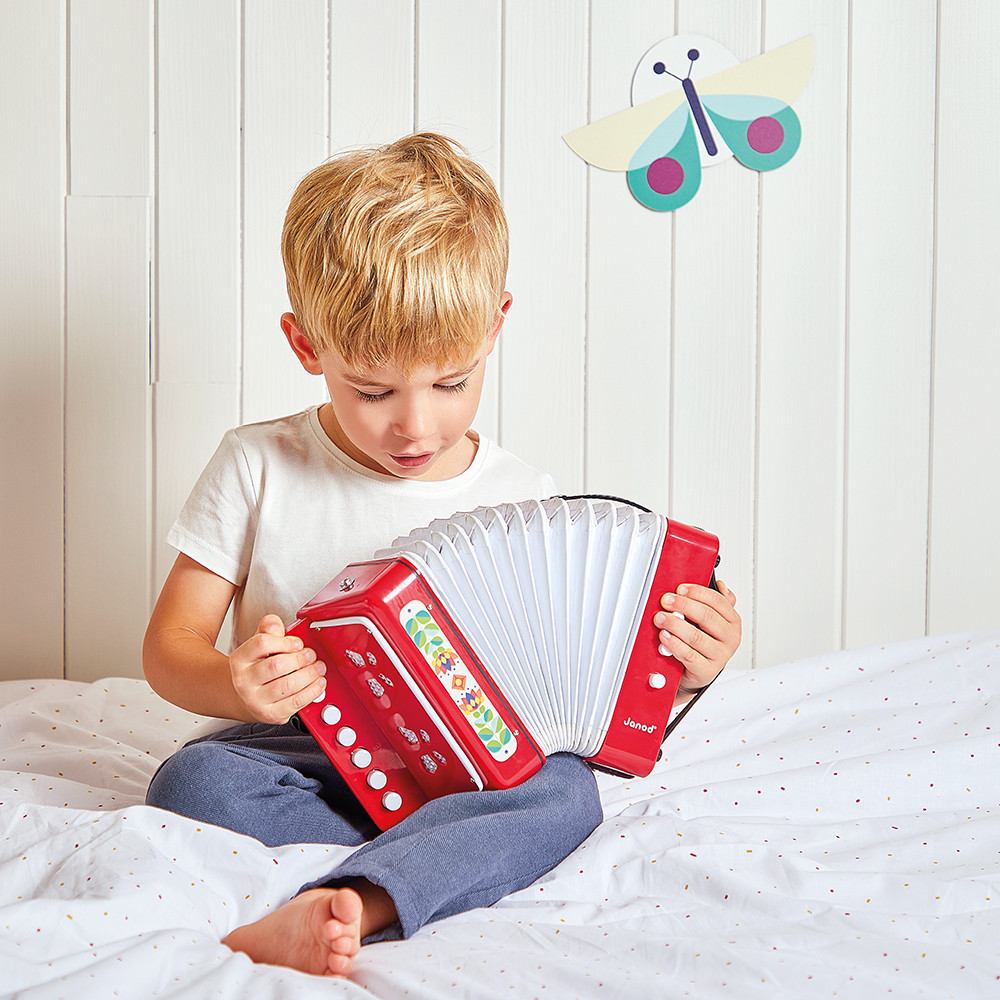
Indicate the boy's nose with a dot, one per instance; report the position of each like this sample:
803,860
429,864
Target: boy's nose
411,423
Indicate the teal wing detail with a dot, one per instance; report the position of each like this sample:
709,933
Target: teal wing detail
665,172
763,132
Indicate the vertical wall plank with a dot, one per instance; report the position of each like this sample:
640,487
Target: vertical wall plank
629,280
285,136
715,337
198,250
189,419
545,95
32,124
371,71
965,498
801,396
458,76
109,114
107,435
198,191
889,319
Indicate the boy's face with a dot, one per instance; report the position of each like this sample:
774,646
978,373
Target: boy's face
411,428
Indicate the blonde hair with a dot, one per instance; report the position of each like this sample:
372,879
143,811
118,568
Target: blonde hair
397,254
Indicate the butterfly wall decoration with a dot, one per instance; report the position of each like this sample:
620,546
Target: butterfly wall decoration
695,104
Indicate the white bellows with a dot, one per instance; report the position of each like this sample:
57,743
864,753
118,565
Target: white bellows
549,595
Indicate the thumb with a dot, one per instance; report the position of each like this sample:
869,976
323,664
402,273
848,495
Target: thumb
271,625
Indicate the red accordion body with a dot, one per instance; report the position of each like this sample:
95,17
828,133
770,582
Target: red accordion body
395,716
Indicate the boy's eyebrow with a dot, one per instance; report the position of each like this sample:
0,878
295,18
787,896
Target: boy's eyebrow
372,382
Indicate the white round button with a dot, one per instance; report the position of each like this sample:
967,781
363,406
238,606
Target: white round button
376,779
330,715
361,757
346,736
392,801
657,681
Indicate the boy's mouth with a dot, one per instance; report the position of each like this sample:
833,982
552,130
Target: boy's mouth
412,461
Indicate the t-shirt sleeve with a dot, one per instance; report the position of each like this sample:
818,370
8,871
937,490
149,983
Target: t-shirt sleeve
217,524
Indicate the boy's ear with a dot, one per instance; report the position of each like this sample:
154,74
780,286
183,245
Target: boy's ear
505,302
299,343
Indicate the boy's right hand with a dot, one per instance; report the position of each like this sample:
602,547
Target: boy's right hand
273,673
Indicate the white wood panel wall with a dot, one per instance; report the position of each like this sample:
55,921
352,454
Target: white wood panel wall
804,361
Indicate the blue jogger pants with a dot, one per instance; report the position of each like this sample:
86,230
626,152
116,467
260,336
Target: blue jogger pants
457,852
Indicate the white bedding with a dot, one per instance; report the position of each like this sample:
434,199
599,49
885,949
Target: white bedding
826,828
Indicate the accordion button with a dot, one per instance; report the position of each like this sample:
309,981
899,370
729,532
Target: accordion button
330,715
361,757
657,681
392,801
376,779
346,736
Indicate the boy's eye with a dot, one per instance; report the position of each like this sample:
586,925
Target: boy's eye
377,397
456,387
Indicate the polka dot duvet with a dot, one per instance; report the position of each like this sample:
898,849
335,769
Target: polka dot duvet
824,828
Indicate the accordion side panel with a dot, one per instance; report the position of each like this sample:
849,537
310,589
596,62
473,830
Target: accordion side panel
649,688
351,737
405,689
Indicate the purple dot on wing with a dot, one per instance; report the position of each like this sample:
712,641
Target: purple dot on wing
765,135
665,175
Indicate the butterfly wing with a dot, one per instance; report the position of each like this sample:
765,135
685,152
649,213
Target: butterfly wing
782,73
665,171
611,143
763,132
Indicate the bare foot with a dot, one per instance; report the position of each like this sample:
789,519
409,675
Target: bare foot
318,932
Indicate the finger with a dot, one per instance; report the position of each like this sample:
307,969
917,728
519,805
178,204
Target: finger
287,668
693,594
698,671
726,592
697,636
263,645
276,696
282,709
694,615
253,681
288,674
687,642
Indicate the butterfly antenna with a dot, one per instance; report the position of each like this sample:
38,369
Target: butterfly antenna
694,55
659,69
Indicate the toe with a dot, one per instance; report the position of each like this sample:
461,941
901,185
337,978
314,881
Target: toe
339,965
342,941
346,906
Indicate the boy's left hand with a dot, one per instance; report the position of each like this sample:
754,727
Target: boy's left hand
705,638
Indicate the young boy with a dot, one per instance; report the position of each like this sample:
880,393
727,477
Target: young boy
396,260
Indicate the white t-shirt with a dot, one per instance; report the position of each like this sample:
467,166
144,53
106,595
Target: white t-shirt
280,510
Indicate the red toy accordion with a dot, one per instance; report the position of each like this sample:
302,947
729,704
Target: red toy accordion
462,655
